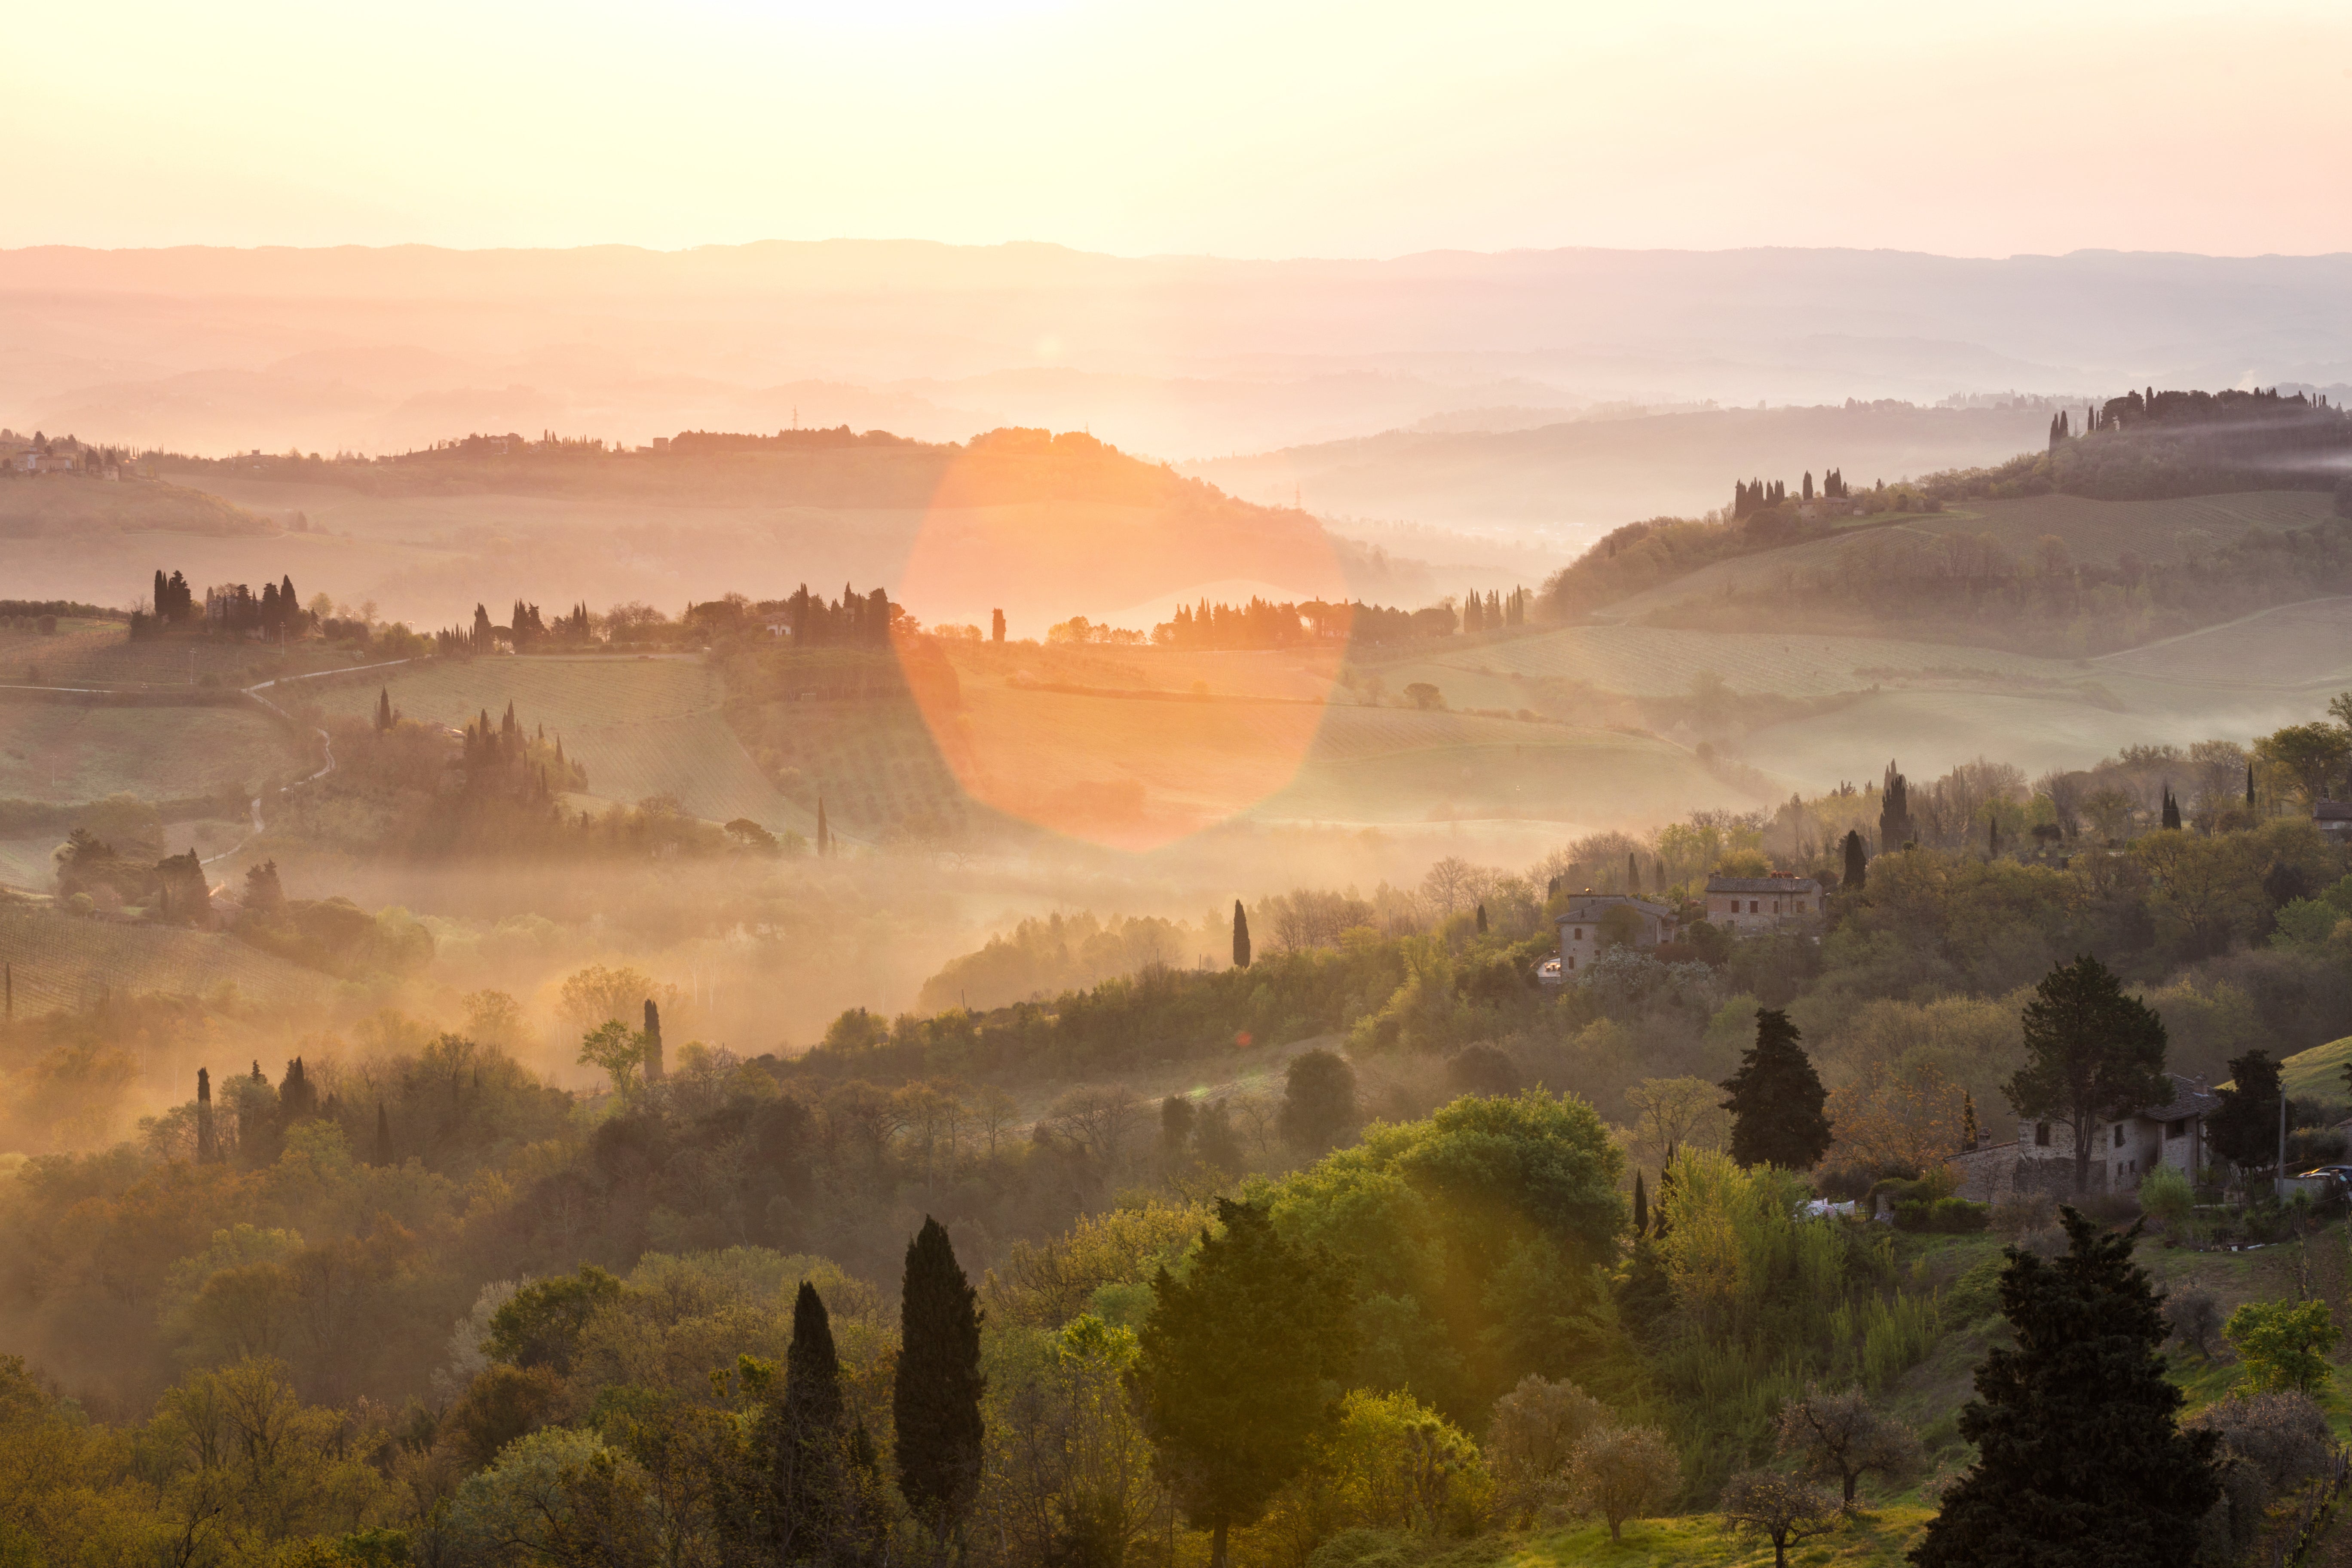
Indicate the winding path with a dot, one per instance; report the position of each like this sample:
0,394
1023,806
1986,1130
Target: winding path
325,744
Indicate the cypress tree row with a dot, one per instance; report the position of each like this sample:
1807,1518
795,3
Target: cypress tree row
935,1396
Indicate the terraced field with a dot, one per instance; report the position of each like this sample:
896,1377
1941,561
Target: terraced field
68,962
65,753
640,726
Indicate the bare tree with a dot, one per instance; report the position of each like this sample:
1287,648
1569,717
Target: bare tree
1838,1436
1097,1118
1669,1112
1454,882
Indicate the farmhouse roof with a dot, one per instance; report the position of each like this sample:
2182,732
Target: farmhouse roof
2189,1098
2331,811
1648,907
1762,884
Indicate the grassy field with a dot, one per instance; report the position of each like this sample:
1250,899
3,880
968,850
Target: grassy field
2318,1073
101,654
1654,661
1876,1540
640,726
2305,646
63,753
66,962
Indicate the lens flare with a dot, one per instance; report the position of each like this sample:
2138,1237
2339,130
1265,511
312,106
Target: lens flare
1096,729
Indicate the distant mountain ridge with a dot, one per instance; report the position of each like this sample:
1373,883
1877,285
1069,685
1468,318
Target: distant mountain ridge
1174,356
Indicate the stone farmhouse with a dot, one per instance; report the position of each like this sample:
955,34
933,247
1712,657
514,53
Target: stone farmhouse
1762,903
1579,930
2122,1151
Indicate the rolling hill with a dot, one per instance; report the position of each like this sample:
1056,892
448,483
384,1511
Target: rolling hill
70,961
640,726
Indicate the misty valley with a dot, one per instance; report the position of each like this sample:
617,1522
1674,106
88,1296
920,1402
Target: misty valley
1149,1026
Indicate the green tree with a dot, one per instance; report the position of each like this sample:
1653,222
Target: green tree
1241,937
1857,863
1775,1099
2284,1346
935,1396
541,1324
620,1051
2090,1052
2311,757
2245,1130
2080,1456
1238,1369
1318,1101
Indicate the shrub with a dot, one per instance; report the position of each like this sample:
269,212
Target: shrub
2284,1344
2196,1319
2166,1197
1974,1294
1958,1216
2022,1212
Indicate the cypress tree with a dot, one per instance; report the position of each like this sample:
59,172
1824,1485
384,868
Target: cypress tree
1482,920
1641,1207
1857,863
2080,1456
935,1396
2249,786
207,1144
653,1042
1775,1099
2171,809
1632,873
1241,937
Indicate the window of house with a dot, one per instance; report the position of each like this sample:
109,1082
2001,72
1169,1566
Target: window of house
1800,906
1751,907
1580,933
2119,1134
2176,1129
2042,1135
1571,960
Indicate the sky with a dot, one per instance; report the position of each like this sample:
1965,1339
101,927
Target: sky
1249,129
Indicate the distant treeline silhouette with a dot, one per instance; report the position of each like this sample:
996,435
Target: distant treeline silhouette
230,607
804,620
1264,624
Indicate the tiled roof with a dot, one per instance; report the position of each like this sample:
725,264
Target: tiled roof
1656,910
1762,884
2189,1098
2331,811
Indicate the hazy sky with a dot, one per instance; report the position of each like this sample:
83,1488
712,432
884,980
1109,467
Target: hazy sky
1237,127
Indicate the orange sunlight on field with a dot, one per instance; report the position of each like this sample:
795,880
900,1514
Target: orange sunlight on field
1130,761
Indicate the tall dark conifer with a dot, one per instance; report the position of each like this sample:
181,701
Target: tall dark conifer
2171,809
1775,1099
653,1042
1857,863
2080,1455
935,1396
1241,937
1641,1207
